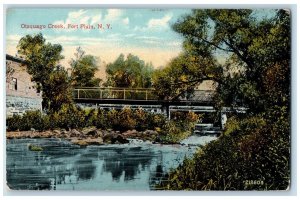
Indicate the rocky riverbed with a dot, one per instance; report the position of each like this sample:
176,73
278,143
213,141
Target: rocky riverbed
88,136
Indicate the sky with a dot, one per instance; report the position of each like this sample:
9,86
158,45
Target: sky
146,33
143,32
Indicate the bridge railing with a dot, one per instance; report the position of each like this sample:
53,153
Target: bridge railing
133,94
115,93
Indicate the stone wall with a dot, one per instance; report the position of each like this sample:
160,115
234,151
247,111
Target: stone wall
19,105
21,92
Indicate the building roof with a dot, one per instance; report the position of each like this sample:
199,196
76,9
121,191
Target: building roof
15,59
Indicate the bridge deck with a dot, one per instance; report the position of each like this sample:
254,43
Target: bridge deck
135,95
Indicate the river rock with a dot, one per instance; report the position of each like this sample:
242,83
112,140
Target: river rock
95,141
104,132
46,134
65,134
149,132
130,133
88,141
90,131
99,133
79,142
74,133
56,132
108,138
119,139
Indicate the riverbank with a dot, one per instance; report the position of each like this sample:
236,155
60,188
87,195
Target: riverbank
89,136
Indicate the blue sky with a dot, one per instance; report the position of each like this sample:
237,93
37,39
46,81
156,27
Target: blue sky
143,32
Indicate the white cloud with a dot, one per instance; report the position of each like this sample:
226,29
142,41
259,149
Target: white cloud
126,21
114,35
84,20
159,23
84,17
113,15
148,38
76,14
151,42
13,38
129,35
174,44
96,19
80,41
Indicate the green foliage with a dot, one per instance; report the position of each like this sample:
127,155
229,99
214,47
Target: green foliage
127,120
31,119
142,117
182,74
41,60
84,68
250,150
172,133
101,119
130,73
70,117
13,123
58,89
235,125
253,153
179,128
255,49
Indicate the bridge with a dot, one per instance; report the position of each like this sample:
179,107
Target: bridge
112,97
140,96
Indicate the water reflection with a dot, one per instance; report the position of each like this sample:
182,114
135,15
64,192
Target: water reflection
62,165
128,161
85,168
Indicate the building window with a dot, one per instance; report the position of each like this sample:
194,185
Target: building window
38,89
13,85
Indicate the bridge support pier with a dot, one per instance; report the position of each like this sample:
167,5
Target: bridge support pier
223,120
166,110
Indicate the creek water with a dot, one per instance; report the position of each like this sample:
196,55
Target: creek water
64,166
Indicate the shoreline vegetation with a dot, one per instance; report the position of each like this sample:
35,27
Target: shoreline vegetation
97,126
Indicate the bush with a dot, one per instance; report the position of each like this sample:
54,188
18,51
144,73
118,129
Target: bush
13,123
172,133
179,128
113,119
141,118
71,116
31,119
156,120
101,119
127,119
253,154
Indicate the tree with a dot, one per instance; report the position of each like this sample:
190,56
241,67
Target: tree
58,87
256,74
41,59
251,46
182,74
130,72
84,68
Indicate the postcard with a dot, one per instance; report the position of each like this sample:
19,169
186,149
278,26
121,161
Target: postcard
144,99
